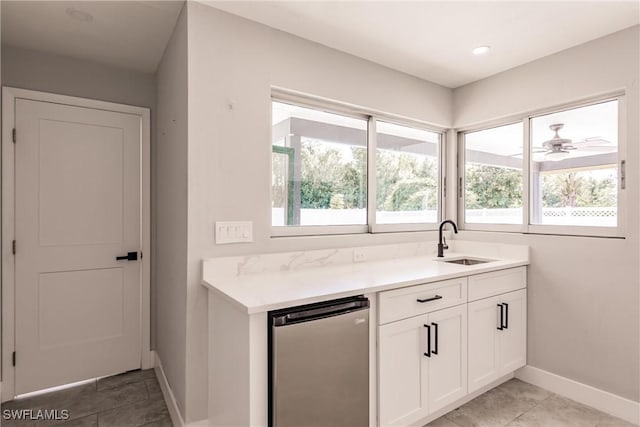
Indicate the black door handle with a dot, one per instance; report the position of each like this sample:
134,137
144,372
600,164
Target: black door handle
501,317
428,353
437,297
130,256
435,332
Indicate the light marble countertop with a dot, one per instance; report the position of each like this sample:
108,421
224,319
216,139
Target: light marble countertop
275,285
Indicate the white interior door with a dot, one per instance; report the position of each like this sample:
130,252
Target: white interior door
77,207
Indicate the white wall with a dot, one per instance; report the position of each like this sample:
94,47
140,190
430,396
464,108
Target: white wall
170,207
583,292
46,72
232,64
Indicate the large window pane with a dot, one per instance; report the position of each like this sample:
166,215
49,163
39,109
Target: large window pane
575,166
319,167
493,175
406,174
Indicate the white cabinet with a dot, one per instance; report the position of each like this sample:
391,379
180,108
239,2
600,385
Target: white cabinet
422,365
407,302
438,342
497,337
447,374
402,366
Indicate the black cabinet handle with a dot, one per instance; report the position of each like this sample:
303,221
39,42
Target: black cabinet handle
437,297
506,315
501,317
435,332
428,353
130,256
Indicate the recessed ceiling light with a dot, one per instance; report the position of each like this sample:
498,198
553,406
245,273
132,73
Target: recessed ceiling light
79,15
481,50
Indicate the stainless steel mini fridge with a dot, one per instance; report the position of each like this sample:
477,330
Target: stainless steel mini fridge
319,365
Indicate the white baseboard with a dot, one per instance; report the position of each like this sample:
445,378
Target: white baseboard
172,406
201,423
169,398
602,400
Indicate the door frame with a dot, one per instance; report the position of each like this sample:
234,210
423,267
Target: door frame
9,96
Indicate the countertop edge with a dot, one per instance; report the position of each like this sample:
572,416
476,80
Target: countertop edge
250,310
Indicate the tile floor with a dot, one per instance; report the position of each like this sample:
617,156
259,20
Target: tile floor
519,404
134,399
131,399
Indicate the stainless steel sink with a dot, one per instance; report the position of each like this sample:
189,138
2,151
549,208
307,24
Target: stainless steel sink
467,261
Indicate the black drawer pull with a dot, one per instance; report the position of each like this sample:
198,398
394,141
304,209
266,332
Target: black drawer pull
501,317
428,353
437,297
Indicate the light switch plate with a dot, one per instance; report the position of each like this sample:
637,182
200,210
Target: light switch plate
233,232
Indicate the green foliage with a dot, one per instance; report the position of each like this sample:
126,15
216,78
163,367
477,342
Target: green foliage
578,189
326,173
405,182
490,187
331,179
316,194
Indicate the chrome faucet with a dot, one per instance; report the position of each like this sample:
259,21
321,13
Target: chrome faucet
442,246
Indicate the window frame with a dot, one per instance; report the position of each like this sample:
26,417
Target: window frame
527,203
371,116
374,227
462,179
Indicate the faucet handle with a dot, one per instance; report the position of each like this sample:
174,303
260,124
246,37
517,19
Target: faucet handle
444,242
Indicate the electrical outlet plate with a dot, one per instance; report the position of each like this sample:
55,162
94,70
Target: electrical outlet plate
233,232
359,255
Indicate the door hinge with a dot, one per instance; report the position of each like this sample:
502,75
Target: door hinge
13,247
14,135
13,358
623,174
444,186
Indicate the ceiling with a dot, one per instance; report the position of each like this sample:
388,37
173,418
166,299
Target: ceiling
428,39
129,34
433,39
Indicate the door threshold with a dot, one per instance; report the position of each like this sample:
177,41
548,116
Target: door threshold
52,389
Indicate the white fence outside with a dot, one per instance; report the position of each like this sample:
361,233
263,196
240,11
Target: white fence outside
354,216
595,217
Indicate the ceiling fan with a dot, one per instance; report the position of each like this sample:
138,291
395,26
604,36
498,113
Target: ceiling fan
558,148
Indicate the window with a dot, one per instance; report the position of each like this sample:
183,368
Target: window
319,169
319,163
574,172
407,174
560,177
493,171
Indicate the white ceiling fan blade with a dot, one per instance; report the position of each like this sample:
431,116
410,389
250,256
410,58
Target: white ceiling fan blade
598,148
592,142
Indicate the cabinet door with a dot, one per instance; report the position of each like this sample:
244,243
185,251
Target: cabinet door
484,320
447,373
402,368
512,341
